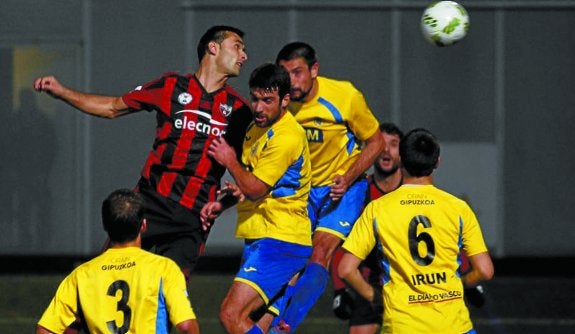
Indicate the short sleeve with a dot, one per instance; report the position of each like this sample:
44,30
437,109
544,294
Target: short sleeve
177,299
62,310
473,242
361,120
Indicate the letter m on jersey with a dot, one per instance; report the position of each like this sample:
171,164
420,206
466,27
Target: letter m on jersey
314,135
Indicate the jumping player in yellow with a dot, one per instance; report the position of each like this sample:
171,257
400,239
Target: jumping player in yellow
420,231
274,177
344,141
125,289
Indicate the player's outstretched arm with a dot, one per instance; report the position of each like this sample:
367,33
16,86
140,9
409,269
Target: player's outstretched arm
482,270
189,326
96,105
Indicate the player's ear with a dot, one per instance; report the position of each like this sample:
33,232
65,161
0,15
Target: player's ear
314,69
285,100
212,47
437,163
144,226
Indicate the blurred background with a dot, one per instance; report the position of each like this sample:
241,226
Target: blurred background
501,102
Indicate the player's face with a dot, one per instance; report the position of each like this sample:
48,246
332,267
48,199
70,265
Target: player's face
267,106
231,54
388,161
301,76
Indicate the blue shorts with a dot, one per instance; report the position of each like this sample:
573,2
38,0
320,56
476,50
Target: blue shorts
269,264
336,217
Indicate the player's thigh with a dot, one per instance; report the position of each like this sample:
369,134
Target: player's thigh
324,246
240,300
269,264
183,248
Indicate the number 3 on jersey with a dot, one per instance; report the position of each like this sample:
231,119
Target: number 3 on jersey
415,239
122,306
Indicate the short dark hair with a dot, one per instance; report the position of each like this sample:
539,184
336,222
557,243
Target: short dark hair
270,76
122,215
391,129
296,50
215,34
419,151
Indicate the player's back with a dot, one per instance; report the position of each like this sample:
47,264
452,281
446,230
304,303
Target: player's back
131,289
422,230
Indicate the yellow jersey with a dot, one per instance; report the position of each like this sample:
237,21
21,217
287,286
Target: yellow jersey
336,121
420,231
126,290
278,156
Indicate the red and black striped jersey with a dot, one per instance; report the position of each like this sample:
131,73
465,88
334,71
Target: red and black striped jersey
188,120
373,191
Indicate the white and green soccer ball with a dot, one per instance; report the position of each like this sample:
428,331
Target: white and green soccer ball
444,23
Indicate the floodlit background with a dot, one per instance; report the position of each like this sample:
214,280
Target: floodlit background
501,102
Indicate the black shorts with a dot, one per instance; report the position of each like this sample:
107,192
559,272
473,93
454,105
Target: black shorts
173,230
363,314
184,249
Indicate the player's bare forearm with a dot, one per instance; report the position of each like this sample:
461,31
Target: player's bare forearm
92,104
95,105
349,272
98,105
249,185
252,187
374,145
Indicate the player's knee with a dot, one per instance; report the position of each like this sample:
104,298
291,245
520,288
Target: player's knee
227,317
321,258
322,253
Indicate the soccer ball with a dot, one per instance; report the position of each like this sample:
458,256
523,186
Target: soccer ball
444,23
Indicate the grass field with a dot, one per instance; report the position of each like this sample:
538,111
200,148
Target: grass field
515,304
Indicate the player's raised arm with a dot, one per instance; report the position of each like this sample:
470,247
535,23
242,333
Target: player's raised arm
96,105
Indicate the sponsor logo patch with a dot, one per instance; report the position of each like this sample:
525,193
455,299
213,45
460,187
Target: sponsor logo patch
203,124
185,98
